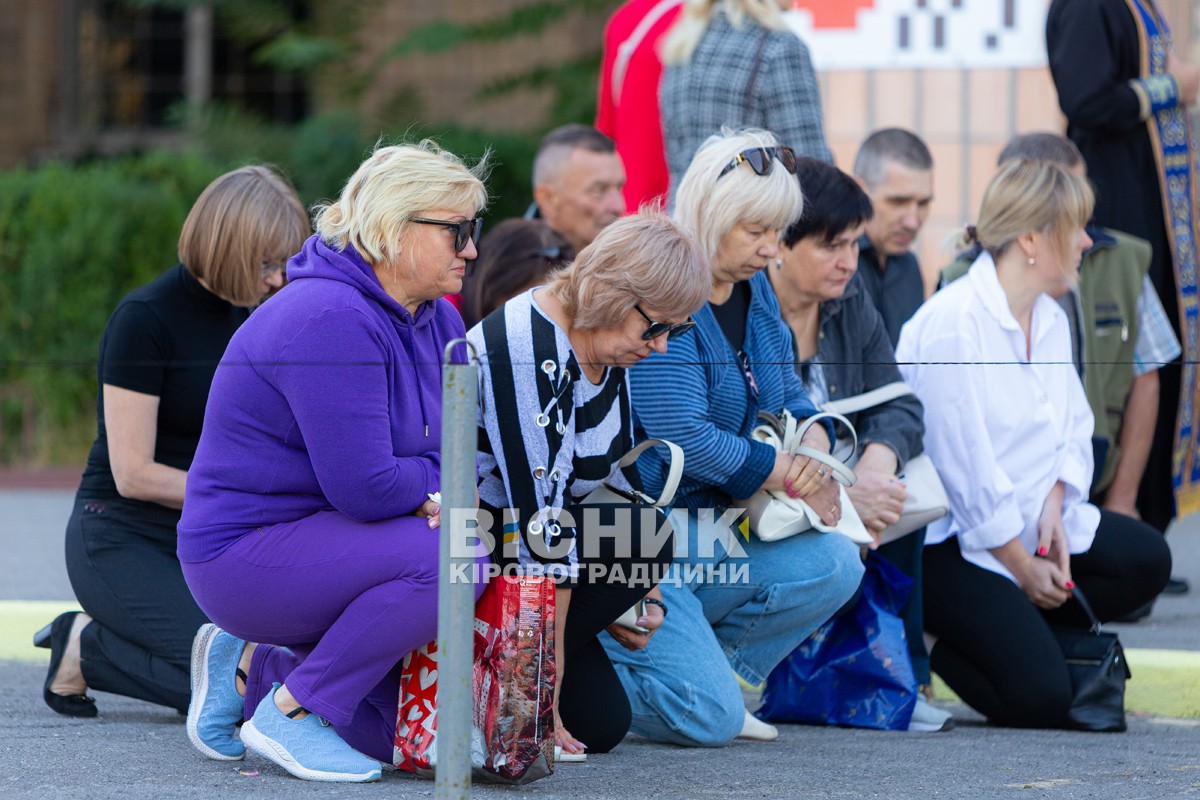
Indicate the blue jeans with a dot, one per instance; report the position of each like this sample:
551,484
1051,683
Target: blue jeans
682,687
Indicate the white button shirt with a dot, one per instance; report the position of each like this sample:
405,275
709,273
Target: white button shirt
1001,428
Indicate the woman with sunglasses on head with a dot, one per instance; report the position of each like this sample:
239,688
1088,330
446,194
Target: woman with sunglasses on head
1009,426
705,395
309,526
735,63
157,359
554,421
516,255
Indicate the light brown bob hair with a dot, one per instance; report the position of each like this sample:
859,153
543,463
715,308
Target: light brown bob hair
646,258
241,220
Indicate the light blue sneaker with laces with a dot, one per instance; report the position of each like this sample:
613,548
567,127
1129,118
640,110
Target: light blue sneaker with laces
308,748
216,707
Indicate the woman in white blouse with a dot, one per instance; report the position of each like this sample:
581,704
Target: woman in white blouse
1009,427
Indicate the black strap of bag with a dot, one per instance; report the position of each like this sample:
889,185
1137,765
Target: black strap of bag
1077,593
748,98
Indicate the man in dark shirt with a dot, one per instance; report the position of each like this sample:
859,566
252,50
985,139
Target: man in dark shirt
896,170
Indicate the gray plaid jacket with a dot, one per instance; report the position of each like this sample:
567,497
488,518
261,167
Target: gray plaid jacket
709,91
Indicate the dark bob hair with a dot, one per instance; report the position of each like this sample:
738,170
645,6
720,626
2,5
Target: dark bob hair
833,202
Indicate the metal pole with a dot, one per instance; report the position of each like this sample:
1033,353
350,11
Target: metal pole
456,598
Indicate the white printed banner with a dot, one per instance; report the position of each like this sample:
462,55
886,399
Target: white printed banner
928,34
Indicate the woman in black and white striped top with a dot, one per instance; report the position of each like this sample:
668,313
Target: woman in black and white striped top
554,421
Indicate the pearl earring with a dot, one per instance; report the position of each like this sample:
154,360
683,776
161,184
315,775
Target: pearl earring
779,263
1032,261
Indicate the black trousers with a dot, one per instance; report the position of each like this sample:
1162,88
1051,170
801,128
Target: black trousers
592,703
995,648
122,565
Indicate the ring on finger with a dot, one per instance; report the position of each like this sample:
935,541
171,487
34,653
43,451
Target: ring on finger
820,472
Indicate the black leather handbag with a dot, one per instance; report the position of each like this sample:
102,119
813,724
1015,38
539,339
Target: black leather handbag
1098,670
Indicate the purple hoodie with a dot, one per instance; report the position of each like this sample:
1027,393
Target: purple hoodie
328,397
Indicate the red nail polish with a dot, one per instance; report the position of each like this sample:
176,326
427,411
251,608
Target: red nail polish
1041,551
1070,584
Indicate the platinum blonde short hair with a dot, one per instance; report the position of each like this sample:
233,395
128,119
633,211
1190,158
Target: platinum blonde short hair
394,184
646,258
709,207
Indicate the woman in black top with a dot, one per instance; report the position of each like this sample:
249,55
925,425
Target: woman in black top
157,359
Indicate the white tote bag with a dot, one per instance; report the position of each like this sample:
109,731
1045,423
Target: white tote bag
927,499
773,514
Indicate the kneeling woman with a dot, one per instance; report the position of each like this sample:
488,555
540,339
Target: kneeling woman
307,525
1009,428
554,420
705,395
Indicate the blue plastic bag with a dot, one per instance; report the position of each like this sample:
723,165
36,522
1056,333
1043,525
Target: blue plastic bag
855,669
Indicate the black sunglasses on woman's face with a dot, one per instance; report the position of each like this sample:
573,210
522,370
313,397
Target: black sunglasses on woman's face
762,160
465,231
657,329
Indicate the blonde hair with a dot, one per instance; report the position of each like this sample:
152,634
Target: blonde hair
1027,195
692,24
241,220
644,258
709,207
395,183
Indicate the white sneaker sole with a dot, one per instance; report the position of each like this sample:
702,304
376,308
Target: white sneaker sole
563,757
200,644
276,753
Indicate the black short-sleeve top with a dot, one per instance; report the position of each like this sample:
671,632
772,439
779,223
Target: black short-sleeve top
164,339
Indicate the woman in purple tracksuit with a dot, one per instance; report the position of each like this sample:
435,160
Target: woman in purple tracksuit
308,526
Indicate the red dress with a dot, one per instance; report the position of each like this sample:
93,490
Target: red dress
627,106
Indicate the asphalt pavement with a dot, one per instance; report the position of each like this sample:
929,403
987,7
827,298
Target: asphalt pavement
136,750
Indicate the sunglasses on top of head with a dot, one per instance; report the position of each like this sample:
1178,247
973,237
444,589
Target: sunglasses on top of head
656,329
465,231
762,160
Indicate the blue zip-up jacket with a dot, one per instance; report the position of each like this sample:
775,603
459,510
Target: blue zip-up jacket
697,396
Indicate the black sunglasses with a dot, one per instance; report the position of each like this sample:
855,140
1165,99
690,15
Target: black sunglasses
762,160
657,329
465,231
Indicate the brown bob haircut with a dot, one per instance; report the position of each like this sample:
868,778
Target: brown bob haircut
242,220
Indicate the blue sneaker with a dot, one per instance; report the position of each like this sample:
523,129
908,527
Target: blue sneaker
216,707
308,748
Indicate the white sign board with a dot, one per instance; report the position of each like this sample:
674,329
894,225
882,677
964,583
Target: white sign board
925,34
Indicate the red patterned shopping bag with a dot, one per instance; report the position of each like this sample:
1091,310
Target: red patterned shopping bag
512,737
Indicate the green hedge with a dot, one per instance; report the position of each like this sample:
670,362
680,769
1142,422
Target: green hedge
75,238
73,241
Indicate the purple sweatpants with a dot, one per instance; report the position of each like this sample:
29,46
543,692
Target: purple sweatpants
348,600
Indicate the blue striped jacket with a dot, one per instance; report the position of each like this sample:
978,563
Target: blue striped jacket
697,396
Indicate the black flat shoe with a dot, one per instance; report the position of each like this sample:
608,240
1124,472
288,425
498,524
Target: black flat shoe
72,705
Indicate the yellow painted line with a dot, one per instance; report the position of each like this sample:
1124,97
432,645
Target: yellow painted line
1166,683
20,619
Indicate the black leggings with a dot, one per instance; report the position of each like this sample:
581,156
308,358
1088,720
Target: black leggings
592,702
995,648
122,565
